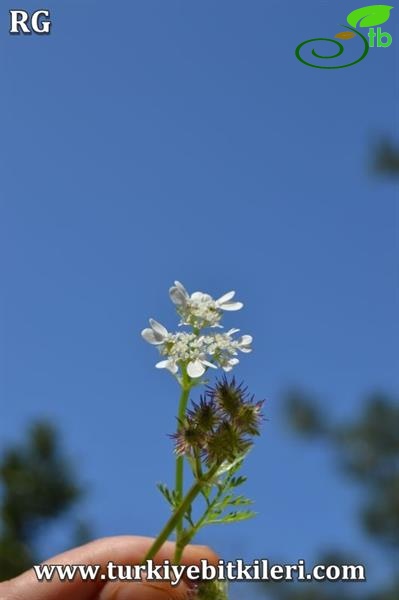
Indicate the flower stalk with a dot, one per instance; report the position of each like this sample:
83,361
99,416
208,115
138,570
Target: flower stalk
178,515
214,435
179,478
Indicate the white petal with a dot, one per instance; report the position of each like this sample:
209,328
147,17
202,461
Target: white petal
231,306
162,364
233,362
225,298
227,368
232,331
181,287
149,337
159,330
195,368
208,364
167,364
178,294
244,343
200,297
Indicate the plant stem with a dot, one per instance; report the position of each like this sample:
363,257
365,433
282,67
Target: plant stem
193,531
179,481
178,515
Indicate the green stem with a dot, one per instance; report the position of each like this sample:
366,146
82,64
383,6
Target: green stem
178,516
193,531
179,478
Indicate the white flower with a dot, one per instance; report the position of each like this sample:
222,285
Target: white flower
224,302
229,364
244,343
191,350
158,334
199,309
178,294
196,368
168,364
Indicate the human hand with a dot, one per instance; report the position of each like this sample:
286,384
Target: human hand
120,550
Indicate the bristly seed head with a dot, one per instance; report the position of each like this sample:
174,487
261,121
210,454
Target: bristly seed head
219,428
249,418
203,415
226,444
188,437
228,395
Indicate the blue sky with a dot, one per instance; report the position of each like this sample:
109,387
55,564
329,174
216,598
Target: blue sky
150,141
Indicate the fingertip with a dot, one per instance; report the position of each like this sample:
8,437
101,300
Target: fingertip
211,555
195,553
145,590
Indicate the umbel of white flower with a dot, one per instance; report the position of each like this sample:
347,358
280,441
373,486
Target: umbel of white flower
200,310
194,349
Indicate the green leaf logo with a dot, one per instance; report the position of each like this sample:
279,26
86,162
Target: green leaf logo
369,16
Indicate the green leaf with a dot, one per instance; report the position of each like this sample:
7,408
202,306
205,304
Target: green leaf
236,481
232,467
240,501
205,493
167,494
188,516
369,16
234,516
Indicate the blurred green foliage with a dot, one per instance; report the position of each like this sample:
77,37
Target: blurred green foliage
386,159
37,487
367,451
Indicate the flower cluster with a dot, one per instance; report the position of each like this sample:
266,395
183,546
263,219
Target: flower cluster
195,351
200,310
219,428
